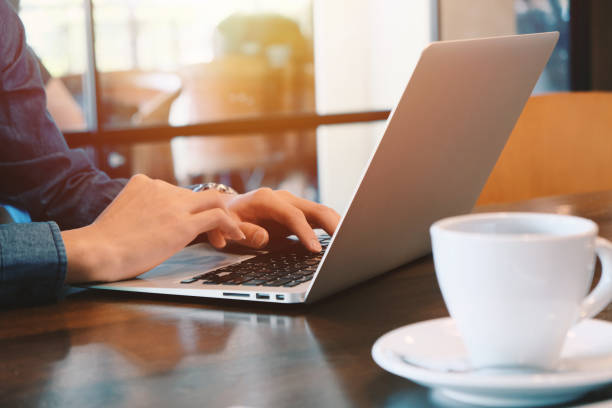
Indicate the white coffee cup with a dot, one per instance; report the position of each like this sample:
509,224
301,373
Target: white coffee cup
515,283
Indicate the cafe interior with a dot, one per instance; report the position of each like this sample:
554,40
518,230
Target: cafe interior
294,95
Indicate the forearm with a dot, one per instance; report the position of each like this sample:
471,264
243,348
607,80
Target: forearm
62,187
32,263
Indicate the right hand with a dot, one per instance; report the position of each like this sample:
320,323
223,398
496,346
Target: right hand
149,221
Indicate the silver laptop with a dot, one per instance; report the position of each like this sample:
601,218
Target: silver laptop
439,146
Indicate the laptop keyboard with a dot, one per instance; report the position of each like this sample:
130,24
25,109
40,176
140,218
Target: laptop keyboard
287,268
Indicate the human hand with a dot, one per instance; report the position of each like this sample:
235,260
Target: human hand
146,223
265,213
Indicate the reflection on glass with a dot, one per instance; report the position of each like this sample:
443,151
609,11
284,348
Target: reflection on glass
56,32
231,58
533,16
191,61
185,62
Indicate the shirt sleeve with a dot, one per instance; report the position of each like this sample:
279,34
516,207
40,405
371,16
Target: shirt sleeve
38,172
58,186
45,75
32,263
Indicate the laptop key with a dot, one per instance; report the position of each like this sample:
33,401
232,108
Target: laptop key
263,271
237,281
255,282
279,282
207,275
292,283
189,280
234,279
211,282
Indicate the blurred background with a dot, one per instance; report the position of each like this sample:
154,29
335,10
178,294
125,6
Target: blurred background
288,94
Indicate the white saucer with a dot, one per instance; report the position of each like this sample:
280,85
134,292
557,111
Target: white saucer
432,354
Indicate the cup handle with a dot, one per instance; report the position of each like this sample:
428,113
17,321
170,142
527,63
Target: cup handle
601,295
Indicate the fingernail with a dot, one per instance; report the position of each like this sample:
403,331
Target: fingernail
223,243
259,239
315,245
237,235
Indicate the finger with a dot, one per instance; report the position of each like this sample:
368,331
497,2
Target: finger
216,239
294,219
256,236
317,214
217,219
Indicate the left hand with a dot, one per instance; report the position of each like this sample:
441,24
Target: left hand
265,213
148,222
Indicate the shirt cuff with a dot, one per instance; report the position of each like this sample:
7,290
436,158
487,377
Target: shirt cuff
32,263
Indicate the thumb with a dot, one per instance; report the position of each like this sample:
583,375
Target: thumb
256,237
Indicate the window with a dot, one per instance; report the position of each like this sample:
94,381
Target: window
548,15
256,78
484,18
188,62
56,31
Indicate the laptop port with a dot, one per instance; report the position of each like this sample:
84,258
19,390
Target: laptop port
235,294
262,296
280,297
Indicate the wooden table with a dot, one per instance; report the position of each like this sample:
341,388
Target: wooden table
98,349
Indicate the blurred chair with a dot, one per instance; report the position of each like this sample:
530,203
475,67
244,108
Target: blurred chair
261,66
140,91
231,87
561,144
142,98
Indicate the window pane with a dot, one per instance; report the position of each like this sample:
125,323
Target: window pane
485,18
365,57
55,30
534,16
193,61
364,65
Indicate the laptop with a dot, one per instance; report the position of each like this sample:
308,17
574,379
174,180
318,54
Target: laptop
440,143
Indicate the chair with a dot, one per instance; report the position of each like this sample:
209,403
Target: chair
262,65
152,95
218,90
561,144
236,86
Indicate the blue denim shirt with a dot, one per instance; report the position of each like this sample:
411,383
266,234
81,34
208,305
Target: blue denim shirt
59,187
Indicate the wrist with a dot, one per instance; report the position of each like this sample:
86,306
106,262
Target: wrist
87,258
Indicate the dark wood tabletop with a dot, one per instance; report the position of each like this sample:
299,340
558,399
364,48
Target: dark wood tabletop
99,349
